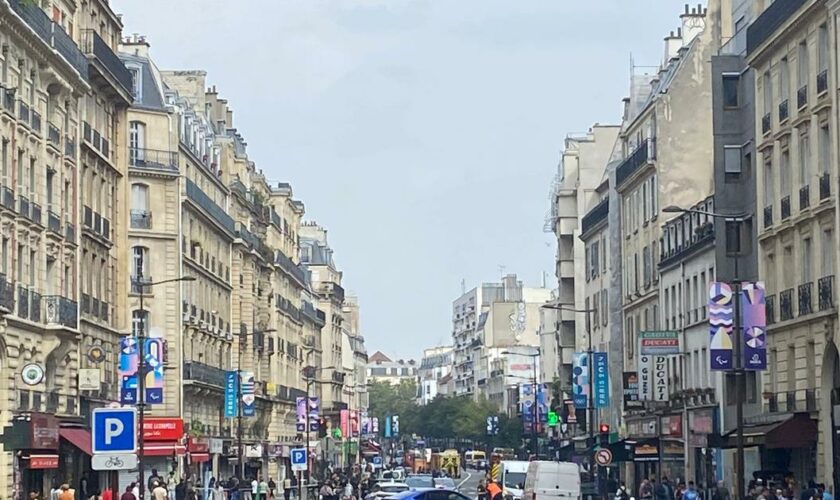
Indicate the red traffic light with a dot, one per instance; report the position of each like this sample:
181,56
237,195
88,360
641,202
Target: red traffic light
604,428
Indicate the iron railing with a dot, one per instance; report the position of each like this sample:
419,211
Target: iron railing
23,301
771,19
825,186
786,304
53,222
644,152
825,292
141,219
785,208
35,214
765,123
70,232
35,307
51,33
811,400
290,267
23,205
152,158
8,197
806,303
596,215
53,135
804,197
783,111
142,285
822,81
802,97
36,121
199,372
61,311
9,100
70,148
770,308
768,216
201,199
23,112
94,45
7,294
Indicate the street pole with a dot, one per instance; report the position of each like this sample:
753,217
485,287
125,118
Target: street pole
239,450
739,383
141,381
534,435
590,402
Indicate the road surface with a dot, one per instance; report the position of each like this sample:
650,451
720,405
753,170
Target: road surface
469,482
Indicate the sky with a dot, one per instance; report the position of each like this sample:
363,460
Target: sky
423,134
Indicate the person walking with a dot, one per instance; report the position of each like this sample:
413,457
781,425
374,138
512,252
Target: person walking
129,493
263,489
287,488
67,493
494,492
721,492
159,493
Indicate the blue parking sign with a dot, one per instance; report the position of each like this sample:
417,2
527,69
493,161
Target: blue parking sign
114,430
298,459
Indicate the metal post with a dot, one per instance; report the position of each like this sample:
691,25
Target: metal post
239,450
739,390
141,381
536,416
306,445
593,467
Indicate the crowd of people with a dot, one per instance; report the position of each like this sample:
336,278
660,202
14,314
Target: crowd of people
758,489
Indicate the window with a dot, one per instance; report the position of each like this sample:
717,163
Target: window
802,64
137,142
654,198
646,265
804,159
784,79
784,173
822,49
136,81
4,163
604,307
140,261
806,260
769,192
827,251
730,89
139,318
791,367
768,93
50,180
825,149
732,159
139,197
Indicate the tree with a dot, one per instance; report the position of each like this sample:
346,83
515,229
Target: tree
387,399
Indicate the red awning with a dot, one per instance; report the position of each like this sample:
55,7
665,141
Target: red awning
163,449
196,458
80,438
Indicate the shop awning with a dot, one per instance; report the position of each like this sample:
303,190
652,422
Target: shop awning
796,431
78,437
197,458
163,449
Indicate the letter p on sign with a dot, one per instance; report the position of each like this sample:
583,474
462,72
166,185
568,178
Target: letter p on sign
113,428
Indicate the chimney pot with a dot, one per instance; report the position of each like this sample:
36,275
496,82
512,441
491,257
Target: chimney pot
686,8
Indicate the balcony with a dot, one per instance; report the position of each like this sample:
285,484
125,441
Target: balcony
70,232
804,197
765,25
811,400
596,215
85,303
285,305
205,374
53,222
7,294
61,311
772,403
141,219
70,148
825,186
36,122
51,33
200,198
802,97
783,111
23,113
640,156
105,67
770,309
35,307
333,289
785,211
768,216
95,140
23,302
36,214
822,81
53,136
290,267
8,198
790,401
825,292
8,100
786,304
765,124
23,205
152,159
806,304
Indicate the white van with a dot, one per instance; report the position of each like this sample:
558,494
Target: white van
552,481
513,478
475,459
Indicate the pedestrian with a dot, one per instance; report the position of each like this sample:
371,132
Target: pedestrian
646,489
828,494
661,490
721,493
263,488
129,493
67,493
159,492
809,492
220,491
108,493
691,492
54,491
481,490
170,485
154,478
621,493
287,488
181,490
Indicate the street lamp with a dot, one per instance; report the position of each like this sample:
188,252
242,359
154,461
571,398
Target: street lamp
534,439
141,285
309,373
240,450
738,364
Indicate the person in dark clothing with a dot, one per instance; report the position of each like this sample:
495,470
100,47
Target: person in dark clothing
660,492
181,490
128,495
808,492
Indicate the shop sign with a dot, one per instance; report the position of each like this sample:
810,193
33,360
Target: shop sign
672,450
660,378
254,450
199,445
701,422
672,426
216,446
89,379
631,390
659,343
698,440
645,452
43,461
645,377
163,428
44,431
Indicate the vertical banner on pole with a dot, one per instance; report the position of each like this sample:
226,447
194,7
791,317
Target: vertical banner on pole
231,403
754,320
542,403
300,414
600,370
387,426
374,425
660,378
249,399
345,423
721,318
314,413
580,379
645,377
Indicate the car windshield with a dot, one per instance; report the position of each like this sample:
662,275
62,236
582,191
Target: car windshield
420,482
514,480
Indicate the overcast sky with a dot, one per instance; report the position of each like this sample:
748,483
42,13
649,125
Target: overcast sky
423,134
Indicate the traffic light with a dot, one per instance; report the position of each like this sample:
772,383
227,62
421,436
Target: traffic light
552,419
322,428
604,434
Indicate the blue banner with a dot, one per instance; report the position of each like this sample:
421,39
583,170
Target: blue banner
580,379
249,399
754,321
230,395
387,426
601,374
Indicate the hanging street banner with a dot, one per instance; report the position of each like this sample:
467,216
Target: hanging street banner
659,343
300,414
721,317
542,403
631,390
231,407
344,423
754,322
600,369
249,408
580,379
314,413
374,425
153,366
660,378
645,378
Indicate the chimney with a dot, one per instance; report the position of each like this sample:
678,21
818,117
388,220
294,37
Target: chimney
135,44
693,23
673,42
625,103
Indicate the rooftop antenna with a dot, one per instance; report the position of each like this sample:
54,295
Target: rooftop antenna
502,271
463,286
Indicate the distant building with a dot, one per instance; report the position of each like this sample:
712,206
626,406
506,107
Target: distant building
435,365
381,368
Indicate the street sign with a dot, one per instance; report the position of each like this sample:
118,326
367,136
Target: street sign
603,457
552,419
377,460
659,343
298,456
116,461
114,430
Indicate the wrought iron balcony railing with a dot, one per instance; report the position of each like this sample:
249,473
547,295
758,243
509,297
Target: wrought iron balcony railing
7,294
770,308
825,186
802,97
804,197
765,123
785,208
786,304
53,135
61,311
825,292
783,111
200,372
8,198
153,159
806,303
822,81
141,219
53,222
768,216
94,45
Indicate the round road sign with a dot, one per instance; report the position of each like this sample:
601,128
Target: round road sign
603,457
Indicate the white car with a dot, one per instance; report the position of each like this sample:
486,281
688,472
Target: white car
386,489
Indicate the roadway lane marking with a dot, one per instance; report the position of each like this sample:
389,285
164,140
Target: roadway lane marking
465,480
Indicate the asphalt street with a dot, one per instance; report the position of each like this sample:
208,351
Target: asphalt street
469,482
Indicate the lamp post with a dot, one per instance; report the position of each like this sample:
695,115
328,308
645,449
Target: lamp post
309,373
738,363
534,438
140,284
240,451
